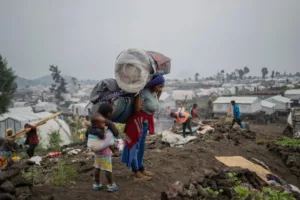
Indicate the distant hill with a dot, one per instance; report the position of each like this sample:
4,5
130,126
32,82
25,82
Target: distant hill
46,81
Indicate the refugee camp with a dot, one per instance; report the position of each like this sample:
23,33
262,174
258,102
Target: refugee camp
149,100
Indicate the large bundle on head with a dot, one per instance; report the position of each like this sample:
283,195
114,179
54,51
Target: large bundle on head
134,68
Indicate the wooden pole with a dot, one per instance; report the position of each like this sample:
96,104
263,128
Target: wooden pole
24,131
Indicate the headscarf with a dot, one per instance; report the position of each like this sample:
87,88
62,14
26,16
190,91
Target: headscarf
157,79
7,130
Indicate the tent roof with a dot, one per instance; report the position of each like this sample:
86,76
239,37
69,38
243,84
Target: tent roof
280,99
238,100
267,104
180,94
296,91
27,116
164,96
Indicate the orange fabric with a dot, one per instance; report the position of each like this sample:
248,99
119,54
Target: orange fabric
180,120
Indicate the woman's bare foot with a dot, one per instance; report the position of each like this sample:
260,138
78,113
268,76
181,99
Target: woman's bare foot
138,176
147,173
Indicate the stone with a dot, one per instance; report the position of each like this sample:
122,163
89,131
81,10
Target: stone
197,178
23,191
209,173
20,181
4,175
202,192
192,191
6,196
7,186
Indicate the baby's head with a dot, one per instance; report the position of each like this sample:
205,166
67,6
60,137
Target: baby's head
106,110
98,121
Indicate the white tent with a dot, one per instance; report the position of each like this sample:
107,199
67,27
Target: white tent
181,94
166,100
293,94
282,103
48,107
16,118
247,105
51,126
20,104
268,107
80,109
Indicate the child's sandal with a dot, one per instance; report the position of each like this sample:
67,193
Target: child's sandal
97,187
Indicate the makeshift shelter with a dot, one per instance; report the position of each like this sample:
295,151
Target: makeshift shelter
267,107
294,95
282,103
248,105
54,125
20,104
166,100
80,109
46,106
17,118
179,95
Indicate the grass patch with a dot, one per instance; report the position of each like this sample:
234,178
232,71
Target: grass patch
31,174
288,142
77,131
54,141
243,193
62,174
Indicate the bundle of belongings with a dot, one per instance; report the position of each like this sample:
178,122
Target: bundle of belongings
134,68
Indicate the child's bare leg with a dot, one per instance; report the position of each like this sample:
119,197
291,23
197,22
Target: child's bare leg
97,176
109,177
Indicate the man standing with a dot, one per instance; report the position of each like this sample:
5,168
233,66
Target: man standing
31,139
193,111
183,118
236,115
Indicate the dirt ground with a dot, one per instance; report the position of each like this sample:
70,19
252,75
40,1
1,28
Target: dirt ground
174,164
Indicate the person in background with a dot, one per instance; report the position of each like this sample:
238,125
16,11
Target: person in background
236,115
32,139
193,111
209,103
183,118
9,132
168,112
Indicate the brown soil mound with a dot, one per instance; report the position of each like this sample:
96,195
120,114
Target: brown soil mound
290,156
194,163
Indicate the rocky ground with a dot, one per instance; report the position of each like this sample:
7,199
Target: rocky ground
190,169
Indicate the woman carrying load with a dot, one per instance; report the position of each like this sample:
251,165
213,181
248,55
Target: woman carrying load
138,126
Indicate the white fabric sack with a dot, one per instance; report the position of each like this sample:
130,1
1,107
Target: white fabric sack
133,70
96,144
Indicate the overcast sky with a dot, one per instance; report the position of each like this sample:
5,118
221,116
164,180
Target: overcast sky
83,37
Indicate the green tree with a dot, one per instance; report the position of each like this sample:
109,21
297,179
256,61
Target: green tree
246,70
264,72
74,81
196,76
277,74
59,85
241,73
7,85
273,74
